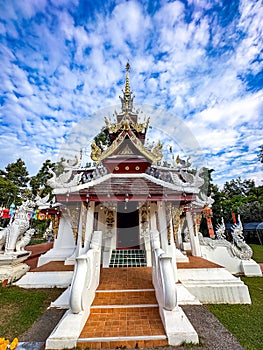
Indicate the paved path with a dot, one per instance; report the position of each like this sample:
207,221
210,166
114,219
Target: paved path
37,250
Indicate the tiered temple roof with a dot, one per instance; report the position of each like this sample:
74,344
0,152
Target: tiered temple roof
128,169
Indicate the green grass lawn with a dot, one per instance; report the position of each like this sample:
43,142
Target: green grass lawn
20,308
245,322
257,252
36,240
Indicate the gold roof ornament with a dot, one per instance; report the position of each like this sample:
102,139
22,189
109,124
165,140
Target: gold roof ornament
112,127
95,152
127,90
157,151
127,118
127,125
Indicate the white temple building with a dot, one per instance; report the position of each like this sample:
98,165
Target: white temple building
128,242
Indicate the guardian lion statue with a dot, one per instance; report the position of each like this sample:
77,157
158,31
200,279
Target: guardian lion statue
10,235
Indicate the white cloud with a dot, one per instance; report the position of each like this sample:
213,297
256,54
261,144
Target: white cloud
59,70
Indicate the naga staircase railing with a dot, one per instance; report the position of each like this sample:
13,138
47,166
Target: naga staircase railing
177,327
86,275
162,275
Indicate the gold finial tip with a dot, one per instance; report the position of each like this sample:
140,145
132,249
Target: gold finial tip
128,67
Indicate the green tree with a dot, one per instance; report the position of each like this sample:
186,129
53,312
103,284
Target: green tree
241,197
217,206
18,175
238,187
59,166
8,192
207,187
38,182
103,138
251,209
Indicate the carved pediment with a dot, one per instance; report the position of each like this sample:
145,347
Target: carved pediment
126,150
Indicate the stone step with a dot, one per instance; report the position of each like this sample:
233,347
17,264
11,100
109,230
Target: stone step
124,313
130,327
123,342
125,298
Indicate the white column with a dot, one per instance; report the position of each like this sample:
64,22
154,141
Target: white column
179,237
153,225
194,240
101,219
172,250
162,225
79,237
89,223
114,230
146,235
65,237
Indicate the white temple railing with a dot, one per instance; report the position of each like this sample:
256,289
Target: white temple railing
162,275
86,276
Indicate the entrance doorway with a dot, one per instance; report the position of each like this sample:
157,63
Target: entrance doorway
128,226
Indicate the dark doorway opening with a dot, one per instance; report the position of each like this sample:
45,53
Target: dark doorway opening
128,226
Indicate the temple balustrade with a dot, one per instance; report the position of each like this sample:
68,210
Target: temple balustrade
86,275
162,275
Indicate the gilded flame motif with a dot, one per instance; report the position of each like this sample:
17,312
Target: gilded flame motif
95,152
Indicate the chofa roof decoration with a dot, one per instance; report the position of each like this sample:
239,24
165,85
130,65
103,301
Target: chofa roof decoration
153,155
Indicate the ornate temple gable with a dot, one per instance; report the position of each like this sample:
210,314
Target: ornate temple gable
153,155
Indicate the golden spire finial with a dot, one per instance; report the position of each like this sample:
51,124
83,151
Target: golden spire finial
127,83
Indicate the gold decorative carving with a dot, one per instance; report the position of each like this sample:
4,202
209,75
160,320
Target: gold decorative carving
109,219
95,151
74,214
157,151
55,223
126,125
176,214
127,168
144,217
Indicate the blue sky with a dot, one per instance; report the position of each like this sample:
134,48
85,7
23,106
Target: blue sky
199,62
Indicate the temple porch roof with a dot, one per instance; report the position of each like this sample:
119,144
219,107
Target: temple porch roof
133,187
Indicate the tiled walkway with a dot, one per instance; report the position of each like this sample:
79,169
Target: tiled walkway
125,298
53,266
124,313
36,250
126,278
195,262
114,322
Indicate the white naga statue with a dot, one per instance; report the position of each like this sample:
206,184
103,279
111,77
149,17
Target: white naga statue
237,248
17,234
